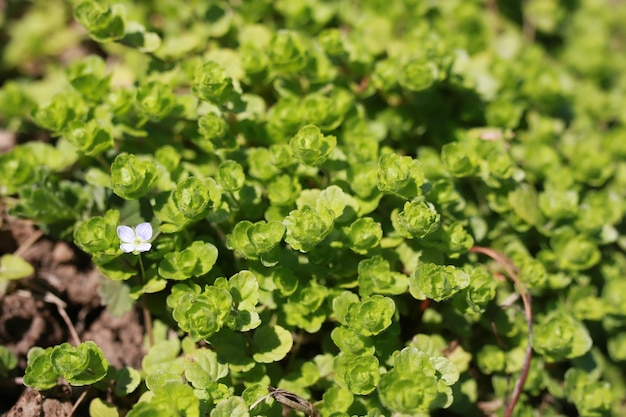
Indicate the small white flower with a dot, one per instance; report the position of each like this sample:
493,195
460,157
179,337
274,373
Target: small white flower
135,241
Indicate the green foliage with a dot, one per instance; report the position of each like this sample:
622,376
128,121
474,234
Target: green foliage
400,175
193,261
417,220
8,361
306,228
14,267
558,336
436,281
310,146
81,365
342,163
417,382
132,176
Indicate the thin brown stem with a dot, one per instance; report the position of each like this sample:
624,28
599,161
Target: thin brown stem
78,401
511,270
34,237
51,298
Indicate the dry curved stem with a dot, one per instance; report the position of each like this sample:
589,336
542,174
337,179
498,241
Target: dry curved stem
512,272
53,299
78,402
34,237
60,304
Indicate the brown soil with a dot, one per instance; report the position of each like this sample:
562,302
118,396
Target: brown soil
31,314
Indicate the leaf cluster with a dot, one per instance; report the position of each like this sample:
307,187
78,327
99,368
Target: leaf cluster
319,176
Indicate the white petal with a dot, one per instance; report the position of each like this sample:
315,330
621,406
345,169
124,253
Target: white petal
144,231
143,247
127,247
125,233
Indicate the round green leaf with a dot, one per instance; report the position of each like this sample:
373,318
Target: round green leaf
271,343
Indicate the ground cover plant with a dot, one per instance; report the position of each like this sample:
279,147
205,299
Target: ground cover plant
329,208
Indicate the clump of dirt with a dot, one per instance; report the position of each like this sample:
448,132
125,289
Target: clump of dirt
32,311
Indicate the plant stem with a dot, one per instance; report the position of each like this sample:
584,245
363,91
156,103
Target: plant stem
147,317
511,270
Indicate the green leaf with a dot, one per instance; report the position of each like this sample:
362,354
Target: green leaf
211,83
418,75
62,109
230,176
523,200
363,234
132,176
82,365
416,220
359,374
40,373
244,289
591,397
616,345
460,159
232,349
287,52
271,343
306,228
284,190
146,409
342,303
350,342
574,252
175,398
204,314
88,77
155,100
163,355
437,281
231,407
481,290
265,236
491,359
371,315
116,297
53,203
332,199
98,408
310,146
105,24
284,280
457,239
202,368
337,399
127,380
407,395
194,261
8,361
215,133
14,267
400,175
558,204
427,378
137,37
98,236
558,336
252,240
376,277
193,198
